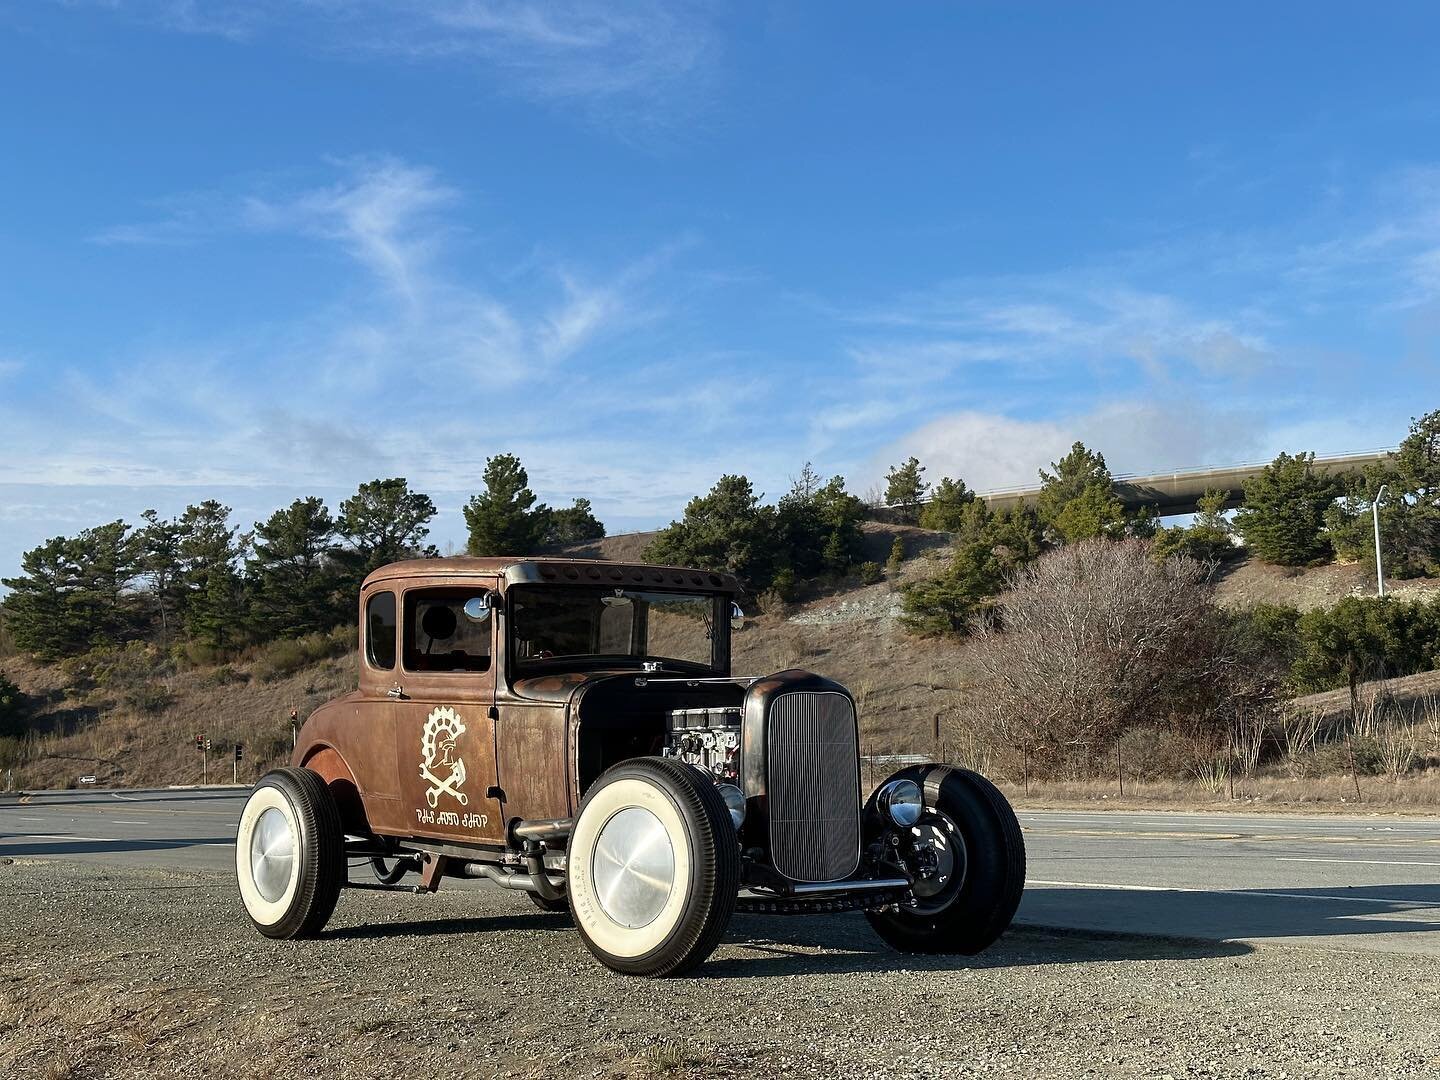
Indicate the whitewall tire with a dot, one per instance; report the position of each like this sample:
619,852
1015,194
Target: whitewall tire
290,854
653,867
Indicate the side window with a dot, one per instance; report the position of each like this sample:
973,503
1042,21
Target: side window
439,636
380,630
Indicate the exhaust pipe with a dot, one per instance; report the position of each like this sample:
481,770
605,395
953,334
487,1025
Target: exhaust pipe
507,879
543,830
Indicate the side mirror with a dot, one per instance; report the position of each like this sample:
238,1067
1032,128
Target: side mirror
737,616
478,608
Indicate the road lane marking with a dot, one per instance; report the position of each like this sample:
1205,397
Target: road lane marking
1357,862
1242,893
118,821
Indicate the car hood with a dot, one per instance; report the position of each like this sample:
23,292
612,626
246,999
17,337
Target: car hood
559,687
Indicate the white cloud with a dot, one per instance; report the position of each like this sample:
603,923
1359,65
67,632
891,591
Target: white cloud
625,61
992,451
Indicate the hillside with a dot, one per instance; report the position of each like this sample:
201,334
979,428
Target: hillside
908,688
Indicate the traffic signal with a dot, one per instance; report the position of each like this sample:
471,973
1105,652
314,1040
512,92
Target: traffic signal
199,742
239,752
207,743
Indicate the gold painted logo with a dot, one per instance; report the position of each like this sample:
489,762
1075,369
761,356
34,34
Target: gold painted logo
442,767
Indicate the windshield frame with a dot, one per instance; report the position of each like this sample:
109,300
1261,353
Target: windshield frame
719,664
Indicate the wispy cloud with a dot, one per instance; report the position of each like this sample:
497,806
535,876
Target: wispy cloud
301,399
624,62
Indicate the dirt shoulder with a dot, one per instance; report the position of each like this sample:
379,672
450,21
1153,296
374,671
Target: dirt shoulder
149,973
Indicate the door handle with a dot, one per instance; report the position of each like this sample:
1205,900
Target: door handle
396,692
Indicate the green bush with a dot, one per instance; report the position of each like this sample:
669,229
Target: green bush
149,699
948,603
224,675
1367,638
897,557
280,659
870,573
1333,759
12,707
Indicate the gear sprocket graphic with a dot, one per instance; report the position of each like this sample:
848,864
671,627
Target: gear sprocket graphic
437,742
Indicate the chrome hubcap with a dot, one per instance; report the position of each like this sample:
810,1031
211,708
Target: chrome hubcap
272,854
633,867
939,834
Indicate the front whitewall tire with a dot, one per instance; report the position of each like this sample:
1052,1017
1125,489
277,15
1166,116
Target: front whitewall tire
653,867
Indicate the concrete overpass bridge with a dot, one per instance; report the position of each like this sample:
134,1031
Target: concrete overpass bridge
1174,493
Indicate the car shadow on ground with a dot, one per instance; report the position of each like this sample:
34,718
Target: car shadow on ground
1333,913
770,946
478,924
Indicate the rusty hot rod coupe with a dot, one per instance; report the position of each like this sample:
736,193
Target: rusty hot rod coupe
572,729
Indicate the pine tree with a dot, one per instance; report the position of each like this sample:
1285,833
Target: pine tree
159,564
1209,537
1077,501
897,557
39,612
292,571
905,487
504,519
214,601
946,509
74,593
573,524
1283,518
383,522
726,529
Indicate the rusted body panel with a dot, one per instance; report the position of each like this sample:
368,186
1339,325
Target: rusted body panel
397,741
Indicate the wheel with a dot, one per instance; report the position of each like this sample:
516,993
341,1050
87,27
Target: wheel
653,867
290,854
560,905
971,857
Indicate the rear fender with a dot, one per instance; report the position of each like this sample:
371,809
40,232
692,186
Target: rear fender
326,761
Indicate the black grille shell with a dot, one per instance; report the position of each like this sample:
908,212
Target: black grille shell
813,771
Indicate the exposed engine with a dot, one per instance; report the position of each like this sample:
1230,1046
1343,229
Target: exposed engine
709,739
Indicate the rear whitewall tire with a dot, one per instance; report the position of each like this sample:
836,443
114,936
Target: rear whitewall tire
289,854
653,868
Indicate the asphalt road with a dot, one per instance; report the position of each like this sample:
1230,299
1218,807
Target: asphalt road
1338,882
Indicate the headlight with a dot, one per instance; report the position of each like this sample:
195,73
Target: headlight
902,802
734,802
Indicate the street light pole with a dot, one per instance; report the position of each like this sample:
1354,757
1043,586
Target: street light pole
1379,565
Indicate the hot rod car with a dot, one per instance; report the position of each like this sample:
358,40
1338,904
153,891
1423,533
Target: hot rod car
572,729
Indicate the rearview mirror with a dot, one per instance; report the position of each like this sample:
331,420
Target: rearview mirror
477,608
737,616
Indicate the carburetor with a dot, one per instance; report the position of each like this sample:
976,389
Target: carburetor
709,739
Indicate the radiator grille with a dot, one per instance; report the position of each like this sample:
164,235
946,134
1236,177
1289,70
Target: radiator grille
813,760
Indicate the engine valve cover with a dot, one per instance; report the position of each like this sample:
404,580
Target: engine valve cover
709,739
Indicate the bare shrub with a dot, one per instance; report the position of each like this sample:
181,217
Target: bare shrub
1373,704
1397,746
1248,734
1429,712
1299,729
1095,637
1212,770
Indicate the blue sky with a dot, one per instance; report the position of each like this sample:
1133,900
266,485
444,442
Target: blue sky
262,249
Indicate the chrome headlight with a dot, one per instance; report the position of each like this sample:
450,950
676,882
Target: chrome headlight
734,802
902,802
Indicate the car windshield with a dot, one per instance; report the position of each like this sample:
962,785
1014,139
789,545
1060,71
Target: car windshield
561,624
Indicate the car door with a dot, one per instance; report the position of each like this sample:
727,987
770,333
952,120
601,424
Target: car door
445,715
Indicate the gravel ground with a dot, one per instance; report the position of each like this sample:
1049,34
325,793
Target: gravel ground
152,973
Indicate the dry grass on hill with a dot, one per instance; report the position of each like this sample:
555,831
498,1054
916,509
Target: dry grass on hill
95,733
913,693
